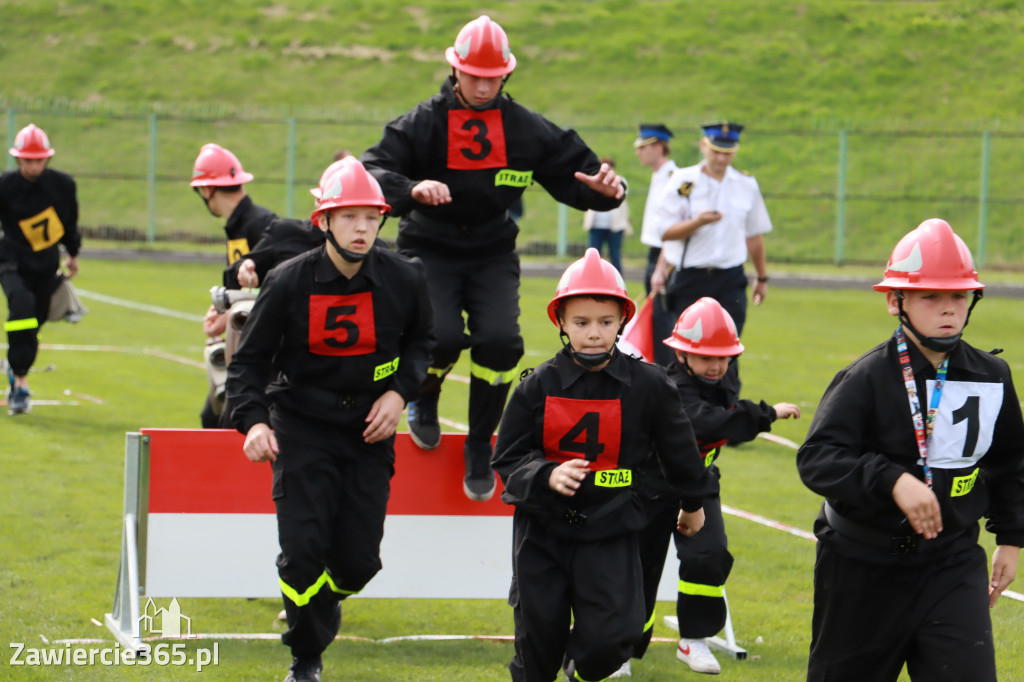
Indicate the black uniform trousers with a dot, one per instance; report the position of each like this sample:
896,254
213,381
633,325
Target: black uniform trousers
685,286
28,304
331,492
931,615
597,584
704,567
486,287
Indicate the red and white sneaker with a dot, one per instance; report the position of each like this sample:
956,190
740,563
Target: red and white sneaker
696,654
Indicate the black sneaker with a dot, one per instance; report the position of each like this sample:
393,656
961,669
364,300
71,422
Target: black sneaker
422,419
305,669
479,481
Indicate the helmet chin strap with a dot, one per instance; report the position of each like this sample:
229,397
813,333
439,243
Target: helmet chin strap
698,378
482,107
348,256
589,360
939,344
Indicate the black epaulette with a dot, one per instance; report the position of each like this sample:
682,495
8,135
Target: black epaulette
995,351
685,189
525,373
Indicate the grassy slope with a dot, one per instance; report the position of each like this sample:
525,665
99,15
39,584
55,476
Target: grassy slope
63,490
600,66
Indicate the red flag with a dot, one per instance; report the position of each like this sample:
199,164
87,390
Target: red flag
638,336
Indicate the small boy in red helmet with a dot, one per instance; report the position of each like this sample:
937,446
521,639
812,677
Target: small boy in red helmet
911,445
338,341
574,454
705,343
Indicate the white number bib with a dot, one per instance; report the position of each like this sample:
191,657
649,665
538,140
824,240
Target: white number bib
962,432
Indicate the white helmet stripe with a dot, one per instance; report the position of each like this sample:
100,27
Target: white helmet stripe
694,333
911,263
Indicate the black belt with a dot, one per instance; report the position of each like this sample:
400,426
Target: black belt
899,544
711,271
324,397
420,218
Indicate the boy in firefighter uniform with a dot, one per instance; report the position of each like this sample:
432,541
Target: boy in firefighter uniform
219,179
913,443
574,454
452,167
38,213
338,341
705,343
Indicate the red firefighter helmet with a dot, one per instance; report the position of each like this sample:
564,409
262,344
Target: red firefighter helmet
706,328
931,257
481,49
591,276
218,167
330,170
31,143
350,185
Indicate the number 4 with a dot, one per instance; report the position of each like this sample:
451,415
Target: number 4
590,447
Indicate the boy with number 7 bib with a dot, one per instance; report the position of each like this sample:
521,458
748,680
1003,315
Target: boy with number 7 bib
911,445
342,335
574,454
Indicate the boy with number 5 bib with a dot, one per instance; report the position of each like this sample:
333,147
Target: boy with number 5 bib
911,445
574,454
342,335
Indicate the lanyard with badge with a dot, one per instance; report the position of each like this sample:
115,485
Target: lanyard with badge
922,426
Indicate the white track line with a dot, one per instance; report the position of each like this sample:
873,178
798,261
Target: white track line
163,355
145,307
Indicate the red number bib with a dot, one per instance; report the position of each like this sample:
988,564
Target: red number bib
476,139
342,325
587,429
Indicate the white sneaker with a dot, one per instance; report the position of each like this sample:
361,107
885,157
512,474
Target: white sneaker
624,671
696,654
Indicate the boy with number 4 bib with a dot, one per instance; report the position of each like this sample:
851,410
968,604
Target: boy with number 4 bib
574,454
911,445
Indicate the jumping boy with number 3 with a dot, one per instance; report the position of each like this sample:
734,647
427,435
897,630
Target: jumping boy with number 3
574,454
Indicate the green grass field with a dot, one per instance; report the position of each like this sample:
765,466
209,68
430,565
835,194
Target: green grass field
129,369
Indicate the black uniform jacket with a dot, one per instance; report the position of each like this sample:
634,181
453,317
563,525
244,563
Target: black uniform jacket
245,228
349,340
615,418
716,412
284,238
862,439
487,158
36,217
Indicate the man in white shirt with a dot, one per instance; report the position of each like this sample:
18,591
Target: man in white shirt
652,149
711,218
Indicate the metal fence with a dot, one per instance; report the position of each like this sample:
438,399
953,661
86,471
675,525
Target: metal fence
835,196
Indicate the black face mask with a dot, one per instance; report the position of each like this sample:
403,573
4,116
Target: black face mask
939,344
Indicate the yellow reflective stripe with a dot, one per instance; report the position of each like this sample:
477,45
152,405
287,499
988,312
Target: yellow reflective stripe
303,599
492,376
613,478
698,590
576,675
21,325
440,371
963,484
650,624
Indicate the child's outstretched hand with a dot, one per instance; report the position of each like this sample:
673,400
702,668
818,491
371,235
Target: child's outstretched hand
786,410
567,477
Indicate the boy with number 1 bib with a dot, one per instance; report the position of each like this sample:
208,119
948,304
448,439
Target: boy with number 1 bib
911,445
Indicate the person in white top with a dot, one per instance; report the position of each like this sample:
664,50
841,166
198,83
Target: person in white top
711,219
608,227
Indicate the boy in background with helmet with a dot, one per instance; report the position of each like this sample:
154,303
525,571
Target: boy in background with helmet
573,452
912,444
38,213
452,167
338,341
219,180
705,343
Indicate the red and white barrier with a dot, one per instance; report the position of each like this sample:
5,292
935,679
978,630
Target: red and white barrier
199,522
